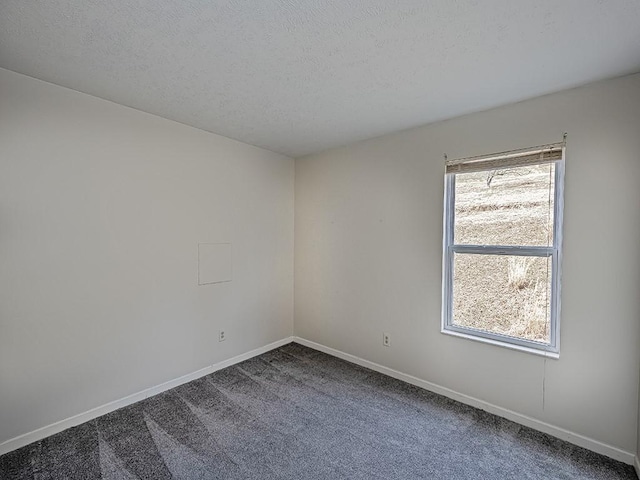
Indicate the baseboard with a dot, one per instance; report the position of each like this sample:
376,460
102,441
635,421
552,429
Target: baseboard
577,439
30,437
571,437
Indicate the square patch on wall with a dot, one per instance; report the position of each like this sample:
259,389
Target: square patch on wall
214,263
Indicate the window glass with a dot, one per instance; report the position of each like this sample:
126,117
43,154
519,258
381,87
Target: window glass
513,206
503,294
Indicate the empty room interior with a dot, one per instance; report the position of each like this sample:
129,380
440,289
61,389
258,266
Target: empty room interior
289,239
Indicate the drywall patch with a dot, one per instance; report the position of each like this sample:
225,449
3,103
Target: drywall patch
215,263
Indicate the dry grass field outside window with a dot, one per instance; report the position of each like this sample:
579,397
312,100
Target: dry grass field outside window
504,294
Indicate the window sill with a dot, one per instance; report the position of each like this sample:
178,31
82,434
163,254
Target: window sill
498,343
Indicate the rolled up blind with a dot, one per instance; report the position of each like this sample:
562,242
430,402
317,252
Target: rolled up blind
515,158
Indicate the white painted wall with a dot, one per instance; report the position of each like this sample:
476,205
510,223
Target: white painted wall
368,244
101,211
637,462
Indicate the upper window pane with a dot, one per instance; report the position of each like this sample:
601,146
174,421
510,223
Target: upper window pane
513,206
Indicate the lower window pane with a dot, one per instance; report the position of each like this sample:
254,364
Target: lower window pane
504,294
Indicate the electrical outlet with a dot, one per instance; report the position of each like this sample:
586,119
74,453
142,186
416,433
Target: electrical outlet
386,340
221,336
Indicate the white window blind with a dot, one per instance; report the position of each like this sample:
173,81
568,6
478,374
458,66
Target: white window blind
514,158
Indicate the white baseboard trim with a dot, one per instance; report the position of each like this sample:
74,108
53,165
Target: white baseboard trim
571,437
636,464
30,437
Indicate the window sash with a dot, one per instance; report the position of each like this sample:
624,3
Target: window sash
553,251
552,346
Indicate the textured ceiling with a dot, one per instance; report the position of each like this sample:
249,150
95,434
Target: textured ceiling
300,76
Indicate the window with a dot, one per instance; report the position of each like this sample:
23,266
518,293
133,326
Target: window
502,248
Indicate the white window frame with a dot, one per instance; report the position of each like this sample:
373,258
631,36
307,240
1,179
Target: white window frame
551,349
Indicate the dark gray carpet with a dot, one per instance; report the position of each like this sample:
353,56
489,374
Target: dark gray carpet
295,413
